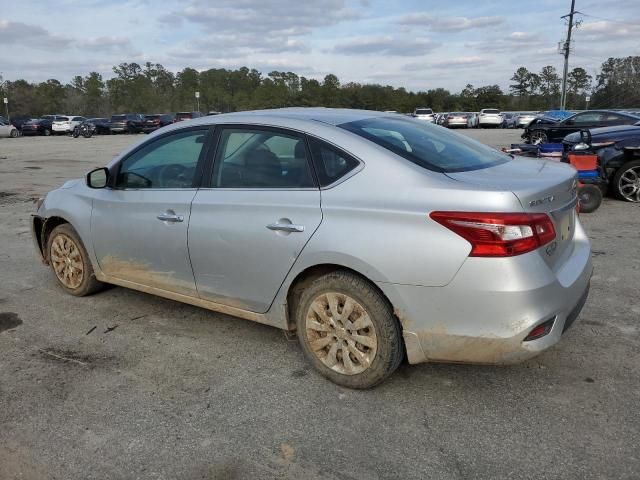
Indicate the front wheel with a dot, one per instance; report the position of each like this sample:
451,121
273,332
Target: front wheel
626,182
70,262
46,132
347,330
537,137
14,133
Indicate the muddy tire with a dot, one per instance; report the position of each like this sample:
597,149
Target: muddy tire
626,182
70,262
347,330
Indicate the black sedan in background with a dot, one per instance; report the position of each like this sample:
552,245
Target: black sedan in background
103,125
548,130
127,123
37,126
156,121
618,150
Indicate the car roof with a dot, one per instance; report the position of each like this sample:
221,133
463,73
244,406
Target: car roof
331,116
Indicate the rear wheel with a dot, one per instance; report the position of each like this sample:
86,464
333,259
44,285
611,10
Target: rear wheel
347,330
538,136
14,133
46,132
70,262
590,198
626,182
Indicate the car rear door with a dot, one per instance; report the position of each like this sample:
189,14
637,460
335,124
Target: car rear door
259,209
139,224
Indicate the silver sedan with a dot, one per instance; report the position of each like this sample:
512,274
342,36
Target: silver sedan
374,236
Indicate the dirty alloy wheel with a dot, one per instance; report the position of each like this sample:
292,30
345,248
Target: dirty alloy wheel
537,137
347,330
70,262
626,182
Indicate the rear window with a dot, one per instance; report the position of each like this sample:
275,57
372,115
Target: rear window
152,117
117,118
62,119
424,111
429,146
491,111
183,115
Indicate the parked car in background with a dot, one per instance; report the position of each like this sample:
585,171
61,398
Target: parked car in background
37,126
214,112
509,119
156,121
127,123
19,121
102,125
524,118
425,114
456,120
618,150
7,129
548,130
180,116
489,117
260,236
66,124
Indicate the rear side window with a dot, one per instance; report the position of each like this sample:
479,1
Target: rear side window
255,158
331,163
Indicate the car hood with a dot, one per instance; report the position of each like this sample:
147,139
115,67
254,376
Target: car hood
540,185
607,133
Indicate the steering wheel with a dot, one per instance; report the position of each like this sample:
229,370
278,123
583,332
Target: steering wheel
173,176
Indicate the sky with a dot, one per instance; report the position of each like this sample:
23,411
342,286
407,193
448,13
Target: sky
416,44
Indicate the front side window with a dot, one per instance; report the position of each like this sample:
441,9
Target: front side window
254,158
168,162
428,146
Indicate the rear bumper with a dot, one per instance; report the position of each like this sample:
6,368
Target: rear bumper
490,121
484,314
62,128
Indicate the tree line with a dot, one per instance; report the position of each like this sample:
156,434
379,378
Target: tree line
151,88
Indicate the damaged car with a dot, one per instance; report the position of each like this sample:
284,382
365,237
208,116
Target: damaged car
376,237
618,151
546,129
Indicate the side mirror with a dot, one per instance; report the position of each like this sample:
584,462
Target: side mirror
98,178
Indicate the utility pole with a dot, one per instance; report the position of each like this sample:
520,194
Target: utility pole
6,96
567,49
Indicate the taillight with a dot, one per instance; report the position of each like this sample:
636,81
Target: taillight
499,234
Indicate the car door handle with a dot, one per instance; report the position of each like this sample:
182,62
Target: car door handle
286,227
170,217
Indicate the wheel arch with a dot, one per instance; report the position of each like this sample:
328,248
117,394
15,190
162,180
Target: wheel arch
46,227
311,273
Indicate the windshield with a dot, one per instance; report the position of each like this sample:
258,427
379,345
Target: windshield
424,111
152,117
429,146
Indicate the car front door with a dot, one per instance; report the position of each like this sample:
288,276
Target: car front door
248,227
139,224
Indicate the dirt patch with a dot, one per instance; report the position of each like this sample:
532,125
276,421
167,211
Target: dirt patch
10,198
34,168
9,320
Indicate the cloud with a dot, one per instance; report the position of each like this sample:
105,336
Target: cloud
385,45
461,62
448,24
34,36
607,31
105,43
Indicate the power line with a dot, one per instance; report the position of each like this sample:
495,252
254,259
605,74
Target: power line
611,20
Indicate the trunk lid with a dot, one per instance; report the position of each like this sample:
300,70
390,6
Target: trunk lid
541,186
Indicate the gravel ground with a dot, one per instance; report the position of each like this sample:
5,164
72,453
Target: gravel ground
128,385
